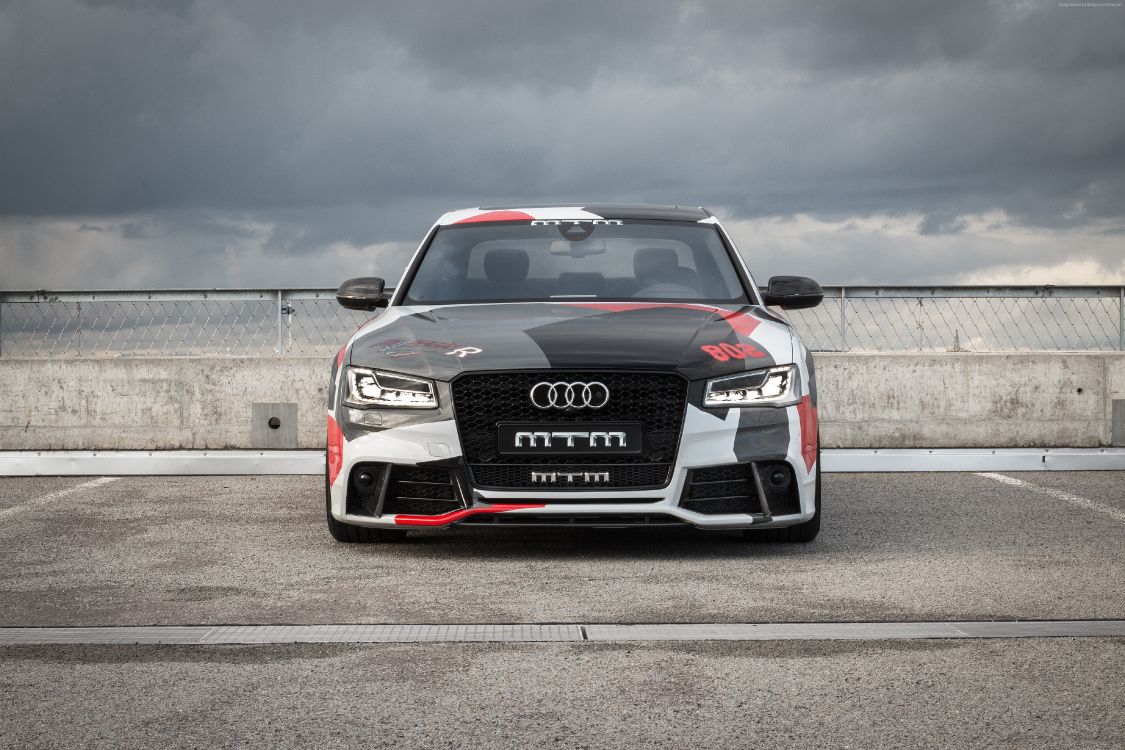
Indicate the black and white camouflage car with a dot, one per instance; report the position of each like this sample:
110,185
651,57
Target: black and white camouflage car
605,365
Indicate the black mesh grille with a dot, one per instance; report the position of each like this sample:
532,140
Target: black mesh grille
416,489
419,507
733,472
519,475
421,490
415,474
722,489
735,487
657,401
720,505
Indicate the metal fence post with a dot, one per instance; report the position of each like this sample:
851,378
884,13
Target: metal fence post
843,320
280,330
1121,319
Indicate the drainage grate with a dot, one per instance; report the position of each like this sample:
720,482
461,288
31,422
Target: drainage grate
203,635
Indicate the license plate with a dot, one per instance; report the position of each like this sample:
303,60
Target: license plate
570,438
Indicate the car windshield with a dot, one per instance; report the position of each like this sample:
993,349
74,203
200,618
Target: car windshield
541,261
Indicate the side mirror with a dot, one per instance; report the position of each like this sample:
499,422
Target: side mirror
793,292
364,293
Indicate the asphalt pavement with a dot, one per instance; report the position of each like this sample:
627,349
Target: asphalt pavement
202,550
254,550
1051,693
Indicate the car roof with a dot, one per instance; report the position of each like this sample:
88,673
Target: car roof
576,211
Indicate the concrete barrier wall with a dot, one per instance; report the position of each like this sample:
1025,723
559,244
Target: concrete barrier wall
173,403
899,400
905,400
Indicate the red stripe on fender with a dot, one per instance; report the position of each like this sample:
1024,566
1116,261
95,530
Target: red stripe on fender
456,515
806,411
497,216
335,450
741,322
340,356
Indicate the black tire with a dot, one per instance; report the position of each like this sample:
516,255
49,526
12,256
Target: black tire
799,533
349,533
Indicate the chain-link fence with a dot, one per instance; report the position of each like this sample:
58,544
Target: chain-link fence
966,318
220,322
300,322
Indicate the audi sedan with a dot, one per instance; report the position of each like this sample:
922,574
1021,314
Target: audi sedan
601,365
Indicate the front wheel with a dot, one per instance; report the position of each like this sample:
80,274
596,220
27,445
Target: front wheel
350,533
801,532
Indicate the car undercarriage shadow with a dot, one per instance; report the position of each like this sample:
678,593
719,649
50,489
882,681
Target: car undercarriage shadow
660,543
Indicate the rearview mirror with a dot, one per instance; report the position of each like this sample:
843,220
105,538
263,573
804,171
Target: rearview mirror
364,293
793,292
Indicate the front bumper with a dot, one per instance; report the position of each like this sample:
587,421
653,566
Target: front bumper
708,439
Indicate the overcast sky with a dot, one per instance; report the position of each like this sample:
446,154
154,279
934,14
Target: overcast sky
226,143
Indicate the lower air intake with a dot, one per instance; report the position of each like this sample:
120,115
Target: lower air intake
416,490
731,489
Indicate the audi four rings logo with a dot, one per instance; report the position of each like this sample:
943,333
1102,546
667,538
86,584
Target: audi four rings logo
561,395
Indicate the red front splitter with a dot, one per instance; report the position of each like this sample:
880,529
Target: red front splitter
454,516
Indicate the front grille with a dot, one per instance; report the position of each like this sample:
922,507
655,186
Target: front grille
657,401
731,489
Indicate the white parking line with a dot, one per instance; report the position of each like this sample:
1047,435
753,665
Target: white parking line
50,497
1082,502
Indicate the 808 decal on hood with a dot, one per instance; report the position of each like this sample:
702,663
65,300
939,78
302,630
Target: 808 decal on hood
603,365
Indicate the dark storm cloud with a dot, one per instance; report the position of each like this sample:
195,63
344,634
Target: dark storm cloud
197,127
170,6
941,223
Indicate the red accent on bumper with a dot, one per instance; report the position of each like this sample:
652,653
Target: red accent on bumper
497,216
335,450
456,515
806,410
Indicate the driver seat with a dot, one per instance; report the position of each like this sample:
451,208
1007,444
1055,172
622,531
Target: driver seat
505,269
661,265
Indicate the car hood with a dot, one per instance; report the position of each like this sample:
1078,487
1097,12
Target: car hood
696,340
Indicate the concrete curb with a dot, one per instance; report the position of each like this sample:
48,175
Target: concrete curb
232,462
204,635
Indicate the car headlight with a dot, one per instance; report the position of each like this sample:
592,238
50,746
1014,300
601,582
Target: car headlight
378,388
774,386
